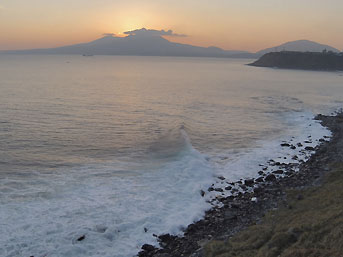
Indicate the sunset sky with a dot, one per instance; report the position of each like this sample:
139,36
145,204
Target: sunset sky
230,24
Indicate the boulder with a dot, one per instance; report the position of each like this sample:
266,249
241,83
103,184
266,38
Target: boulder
249,182
270,177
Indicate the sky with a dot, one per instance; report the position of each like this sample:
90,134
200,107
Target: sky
230,24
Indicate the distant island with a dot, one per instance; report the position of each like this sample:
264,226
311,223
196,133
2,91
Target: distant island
325,60
140,42
150,42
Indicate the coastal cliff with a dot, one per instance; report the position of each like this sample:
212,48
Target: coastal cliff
326,61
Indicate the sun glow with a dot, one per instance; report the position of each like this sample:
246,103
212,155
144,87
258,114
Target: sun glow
131,23
128,17
244,25
120,35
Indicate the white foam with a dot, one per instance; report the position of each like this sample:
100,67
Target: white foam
302,127
44,215
113,212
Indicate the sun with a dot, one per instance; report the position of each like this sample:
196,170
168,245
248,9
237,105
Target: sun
126,24
130,18
131,23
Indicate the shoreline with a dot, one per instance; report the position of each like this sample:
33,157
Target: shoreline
257,197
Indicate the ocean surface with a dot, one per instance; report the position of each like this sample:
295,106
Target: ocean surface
119,148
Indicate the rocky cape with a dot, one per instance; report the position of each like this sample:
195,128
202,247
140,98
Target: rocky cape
248,207
326,61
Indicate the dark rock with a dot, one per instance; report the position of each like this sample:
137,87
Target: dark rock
278,171
295,157
218,189
249,182
309,148
81,238
299,144
260,173
210,189
285,145
165,238
228,188
202,193
244,187
234,190
289,173
221,178
293,147
259,179
191,228
270,177
148,248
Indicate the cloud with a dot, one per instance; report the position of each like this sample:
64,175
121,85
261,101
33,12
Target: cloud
153,32
109,34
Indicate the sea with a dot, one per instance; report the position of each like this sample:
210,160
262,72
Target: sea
99,154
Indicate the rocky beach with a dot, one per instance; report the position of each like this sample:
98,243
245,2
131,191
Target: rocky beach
251,199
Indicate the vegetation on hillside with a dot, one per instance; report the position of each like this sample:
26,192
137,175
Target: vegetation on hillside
310,224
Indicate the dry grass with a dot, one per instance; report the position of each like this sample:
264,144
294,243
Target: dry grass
312,227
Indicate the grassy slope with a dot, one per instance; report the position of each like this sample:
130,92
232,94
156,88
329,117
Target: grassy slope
311,225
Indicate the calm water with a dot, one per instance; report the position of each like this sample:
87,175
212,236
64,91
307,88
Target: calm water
108,146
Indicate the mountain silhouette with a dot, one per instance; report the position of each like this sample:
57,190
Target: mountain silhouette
149,42
298,46
142,42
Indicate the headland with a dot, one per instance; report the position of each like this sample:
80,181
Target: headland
325,61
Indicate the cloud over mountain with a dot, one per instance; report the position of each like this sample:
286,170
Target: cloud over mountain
153,32
108,34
